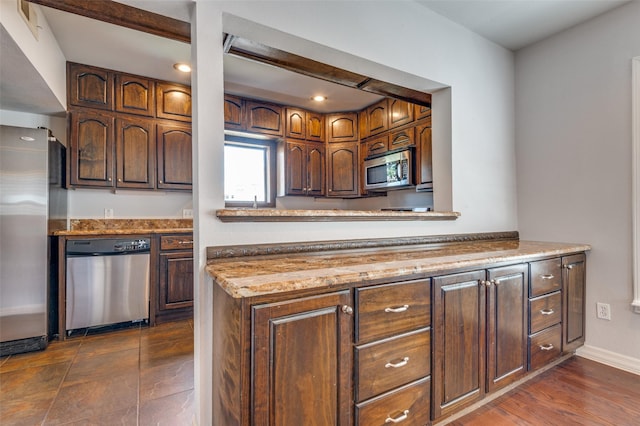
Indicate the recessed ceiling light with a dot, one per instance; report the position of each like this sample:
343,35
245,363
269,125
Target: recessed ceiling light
319,98
182,67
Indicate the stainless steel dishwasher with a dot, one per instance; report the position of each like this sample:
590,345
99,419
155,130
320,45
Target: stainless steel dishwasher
107,281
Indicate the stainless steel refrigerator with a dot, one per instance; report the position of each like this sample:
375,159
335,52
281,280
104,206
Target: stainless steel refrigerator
25,180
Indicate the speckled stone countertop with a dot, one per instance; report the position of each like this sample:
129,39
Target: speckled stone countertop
80,227
262,275
281,215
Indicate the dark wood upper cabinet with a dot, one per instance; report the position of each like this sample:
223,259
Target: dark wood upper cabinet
173,101
174,156
135,153
304,168
400,113
89,87
301,353
401,138
342,169
233,118
421,111
315,126
296,123
91,149
135,95
264,118
378,118
342,127
377,145
424,155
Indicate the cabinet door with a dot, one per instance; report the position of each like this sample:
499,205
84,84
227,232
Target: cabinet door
342,127
135,95
342,169
233,113
573,281
400,113
176,281
421,111
459,341
301,353
90,87
135,153
296,123
315,127
377,145
264,118
296,173
174,156
173,101
424,156
91,149
401,138
506,325
315,169
377,118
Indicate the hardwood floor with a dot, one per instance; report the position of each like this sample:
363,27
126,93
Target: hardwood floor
144,376
139,376
576,392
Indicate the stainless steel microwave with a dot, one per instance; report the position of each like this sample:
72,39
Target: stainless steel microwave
391,170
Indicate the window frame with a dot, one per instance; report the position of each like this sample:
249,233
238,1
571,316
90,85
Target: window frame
270,147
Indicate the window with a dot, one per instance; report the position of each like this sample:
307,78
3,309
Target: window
249,172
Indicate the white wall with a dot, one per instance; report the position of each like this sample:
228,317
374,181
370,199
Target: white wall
369,38
573,143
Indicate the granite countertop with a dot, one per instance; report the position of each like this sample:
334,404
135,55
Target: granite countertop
262,275
95,227
283,215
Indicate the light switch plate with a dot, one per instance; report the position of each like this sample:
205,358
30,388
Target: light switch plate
108,213
187,213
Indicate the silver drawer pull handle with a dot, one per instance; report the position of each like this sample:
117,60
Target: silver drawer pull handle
546,311
546,347
396,310
402,363
547,277
185,242
398,419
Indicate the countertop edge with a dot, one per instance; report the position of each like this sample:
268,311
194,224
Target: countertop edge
278,215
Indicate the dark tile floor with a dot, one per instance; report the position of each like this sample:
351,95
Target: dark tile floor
136,376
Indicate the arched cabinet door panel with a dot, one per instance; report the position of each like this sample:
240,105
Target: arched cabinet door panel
174,157
91,150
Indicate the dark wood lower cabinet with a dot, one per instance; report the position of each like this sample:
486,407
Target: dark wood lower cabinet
410,352
574,280
175,278
458,341
302,362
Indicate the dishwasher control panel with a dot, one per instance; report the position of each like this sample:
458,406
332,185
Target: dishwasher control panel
135,245
107,246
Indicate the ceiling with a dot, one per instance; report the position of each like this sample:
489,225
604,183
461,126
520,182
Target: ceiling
511,23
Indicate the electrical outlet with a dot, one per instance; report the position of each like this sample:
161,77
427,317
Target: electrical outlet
187,213
108,213
603,311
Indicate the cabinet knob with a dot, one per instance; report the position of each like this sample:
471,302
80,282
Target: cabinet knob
485,283
398,419
347,309
568,266
160,181
119,180
109,179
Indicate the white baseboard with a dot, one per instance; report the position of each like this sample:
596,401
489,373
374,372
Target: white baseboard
612,359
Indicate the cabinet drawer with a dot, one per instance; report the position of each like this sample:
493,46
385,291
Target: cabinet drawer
390,309
546,276
545,311
544,347
387,364
409,405
176,242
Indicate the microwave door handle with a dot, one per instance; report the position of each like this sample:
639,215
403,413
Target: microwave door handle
399,170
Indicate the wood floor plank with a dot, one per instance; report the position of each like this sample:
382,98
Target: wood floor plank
576,392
